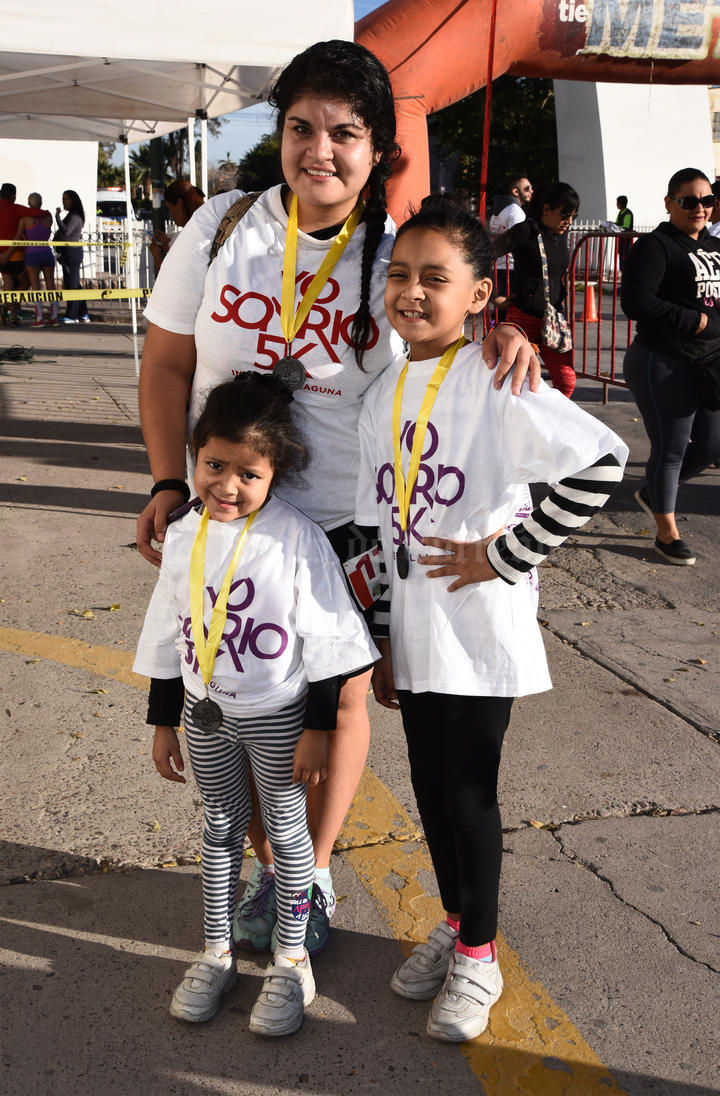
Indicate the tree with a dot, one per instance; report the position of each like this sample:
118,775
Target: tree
260,167
522,135
175,155
108,174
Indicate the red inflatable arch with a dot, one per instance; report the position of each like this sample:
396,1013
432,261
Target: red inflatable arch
436,52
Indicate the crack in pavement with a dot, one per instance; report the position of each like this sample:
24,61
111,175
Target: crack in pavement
642,809
573,858
708,732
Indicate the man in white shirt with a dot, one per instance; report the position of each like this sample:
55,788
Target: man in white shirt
509,210
714,225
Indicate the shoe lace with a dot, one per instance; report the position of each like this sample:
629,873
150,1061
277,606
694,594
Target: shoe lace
318,902
256,904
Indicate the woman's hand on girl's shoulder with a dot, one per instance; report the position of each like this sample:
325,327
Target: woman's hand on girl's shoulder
310,758
505,349
166,753
465,558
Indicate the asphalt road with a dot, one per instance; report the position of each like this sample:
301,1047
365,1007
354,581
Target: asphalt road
609,912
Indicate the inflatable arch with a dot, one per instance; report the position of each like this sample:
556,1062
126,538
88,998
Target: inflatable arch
436,52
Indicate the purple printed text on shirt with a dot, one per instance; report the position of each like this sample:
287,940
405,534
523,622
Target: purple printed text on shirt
242,634
443,486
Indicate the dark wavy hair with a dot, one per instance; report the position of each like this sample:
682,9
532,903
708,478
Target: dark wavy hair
443,213
76,205
348,71
254,410
560,196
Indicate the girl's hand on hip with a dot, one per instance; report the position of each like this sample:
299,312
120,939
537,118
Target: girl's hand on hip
166,753
310,759
505,349
468,559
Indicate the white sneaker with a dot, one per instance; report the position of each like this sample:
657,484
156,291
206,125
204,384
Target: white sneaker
287,989
423,973
462,1007
197,998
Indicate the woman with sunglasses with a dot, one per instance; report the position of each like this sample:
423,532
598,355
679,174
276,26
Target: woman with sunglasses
671,288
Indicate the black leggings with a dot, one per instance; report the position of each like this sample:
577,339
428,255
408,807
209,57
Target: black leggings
684,436
454,745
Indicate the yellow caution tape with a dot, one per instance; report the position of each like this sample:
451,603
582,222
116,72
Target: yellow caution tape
40,296
120,242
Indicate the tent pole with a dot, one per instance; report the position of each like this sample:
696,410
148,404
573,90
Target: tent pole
204,157
131,277
191,151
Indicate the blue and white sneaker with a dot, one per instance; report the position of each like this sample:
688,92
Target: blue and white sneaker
256,913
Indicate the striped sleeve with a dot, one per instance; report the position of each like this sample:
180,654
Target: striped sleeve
570,504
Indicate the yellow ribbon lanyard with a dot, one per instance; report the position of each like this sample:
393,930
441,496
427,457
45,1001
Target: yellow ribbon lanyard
404,488
206,650
291,320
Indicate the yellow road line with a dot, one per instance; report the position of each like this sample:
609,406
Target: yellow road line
531,1047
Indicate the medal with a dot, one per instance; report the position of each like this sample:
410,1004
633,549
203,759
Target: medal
207,715
291,372
402,561
404,488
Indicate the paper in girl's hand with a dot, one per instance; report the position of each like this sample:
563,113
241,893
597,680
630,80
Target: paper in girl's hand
366,576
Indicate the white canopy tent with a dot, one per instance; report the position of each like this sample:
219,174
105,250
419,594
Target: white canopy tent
94,71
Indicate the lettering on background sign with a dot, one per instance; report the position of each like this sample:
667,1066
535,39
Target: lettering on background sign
658,29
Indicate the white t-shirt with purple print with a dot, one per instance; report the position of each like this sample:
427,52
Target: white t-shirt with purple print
482,448
290,618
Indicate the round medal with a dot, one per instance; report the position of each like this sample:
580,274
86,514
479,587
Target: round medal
402,561
291,372
207,715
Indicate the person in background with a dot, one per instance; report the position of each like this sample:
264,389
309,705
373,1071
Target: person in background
39,259
12,263
551,213
508,210
625,220
69,230
714,223
181,199
671,288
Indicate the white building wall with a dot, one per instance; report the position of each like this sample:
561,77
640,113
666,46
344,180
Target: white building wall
629,139
50,167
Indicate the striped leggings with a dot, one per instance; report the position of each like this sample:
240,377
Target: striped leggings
220,766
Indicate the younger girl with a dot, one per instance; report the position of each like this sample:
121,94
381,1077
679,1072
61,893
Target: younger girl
445,462
250,606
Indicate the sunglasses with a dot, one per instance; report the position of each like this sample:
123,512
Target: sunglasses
689,201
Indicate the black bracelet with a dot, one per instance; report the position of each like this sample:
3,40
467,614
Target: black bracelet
171,485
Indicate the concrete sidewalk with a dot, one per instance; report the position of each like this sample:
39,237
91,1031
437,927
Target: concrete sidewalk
609,797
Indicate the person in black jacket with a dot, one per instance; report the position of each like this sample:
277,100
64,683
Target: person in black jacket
551,213
671,288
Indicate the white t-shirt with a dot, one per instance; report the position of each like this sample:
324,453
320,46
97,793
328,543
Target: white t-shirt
233,310
501,222
290,618
481,449
714,230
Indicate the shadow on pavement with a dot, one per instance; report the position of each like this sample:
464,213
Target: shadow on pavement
74,498
94,961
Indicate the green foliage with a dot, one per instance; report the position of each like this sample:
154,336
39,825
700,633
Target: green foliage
108,174
260,166
522,134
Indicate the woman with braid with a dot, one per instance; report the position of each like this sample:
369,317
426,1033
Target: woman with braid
221,305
